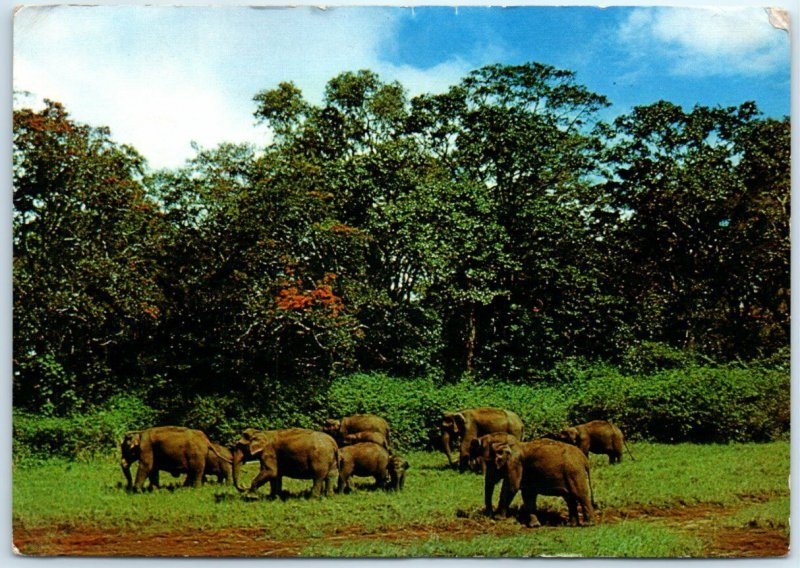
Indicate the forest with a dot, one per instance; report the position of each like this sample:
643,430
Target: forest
505,234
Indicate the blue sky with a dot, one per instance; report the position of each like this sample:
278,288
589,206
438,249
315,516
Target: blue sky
162,77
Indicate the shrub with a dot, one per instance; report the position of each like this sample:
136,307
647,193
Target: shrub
79,435
696,404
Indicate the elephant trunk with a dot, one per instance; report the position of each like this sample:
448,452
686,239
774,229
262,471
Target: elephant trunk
238,458
126,470
446,445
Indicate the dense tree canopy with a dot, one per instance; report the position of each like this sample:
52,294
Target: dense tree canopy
495,229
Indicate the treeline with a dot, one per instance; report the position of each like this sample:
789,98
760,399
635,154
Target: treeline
491,231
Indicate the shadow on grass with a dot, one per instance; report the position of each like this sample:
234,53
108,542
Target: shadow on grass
546,517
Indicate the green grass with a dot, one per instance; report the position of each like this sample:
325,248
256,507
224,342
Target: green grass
773,514
749,479
625,539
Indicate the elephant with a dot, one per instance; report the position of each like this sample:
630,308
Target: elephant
219,466
173,449
364,460
293,452
355,424
473,423
397,472
547,467
597,437
359,437
485,449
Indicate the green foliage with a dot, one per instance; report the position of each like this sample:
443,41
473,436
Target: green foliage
81,436
497,231
705,404
701,404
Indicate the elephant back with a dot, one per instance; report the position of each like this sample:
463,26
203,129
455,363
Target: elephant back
304,454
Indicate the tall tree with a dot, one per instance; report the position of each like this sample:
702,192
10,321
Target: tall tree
86,236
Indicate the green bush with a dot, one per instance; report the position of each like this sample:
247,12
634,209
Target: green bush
414,407
79,435
695,404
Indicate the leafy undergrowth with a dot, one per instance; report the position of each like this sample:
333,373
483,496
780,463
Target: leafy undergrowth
643,507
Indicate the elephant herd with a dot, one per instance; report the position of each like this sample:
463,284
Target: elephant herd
353,446
556,465
489,439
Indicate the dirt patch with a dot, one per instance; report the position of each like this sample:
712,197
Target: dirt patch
701,520
737,543
97,542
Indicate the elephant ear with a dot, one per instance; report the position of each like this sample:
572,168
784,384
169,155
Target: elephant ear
258,444
460,422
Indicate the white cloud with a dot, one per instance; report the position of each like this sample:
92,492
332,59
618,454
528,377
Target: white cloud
162,77
708,41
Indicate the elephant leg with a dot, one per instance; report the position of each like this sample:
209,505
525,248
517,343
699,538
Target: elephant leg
153,477
142,473
330,482
316,488
193,480
506,496
588,509
276,486
529,517
260,479
488,492
572,506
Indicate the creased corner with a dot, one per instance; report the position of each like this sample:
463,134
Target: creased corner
779,18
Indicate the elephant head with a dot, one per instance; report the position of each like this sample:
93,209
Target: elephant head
508,461
453,427
397,472
251,443
570,436
332,426
454,424
130,448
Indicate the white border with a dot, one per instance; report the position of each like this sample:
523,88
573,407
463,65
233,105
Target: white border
9,559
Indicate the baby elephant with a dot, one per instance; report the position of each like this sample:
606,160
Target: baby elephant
597,437
364,460
397,472
219,464
359,437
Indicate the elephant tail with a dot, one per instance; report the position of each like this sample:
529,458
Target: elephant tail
223,458
591,489
624,441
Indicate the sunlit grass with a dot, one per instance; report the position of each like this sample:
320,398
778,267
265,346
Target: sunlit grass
625,539
65,494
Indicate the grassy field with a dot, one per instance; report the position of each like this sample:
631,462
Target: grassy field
675,500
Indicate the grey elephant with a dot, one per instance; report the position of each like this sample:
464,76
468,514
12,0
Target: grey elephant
339,428
485,450
397,472
547,467
597,437
294,452
363,460
173,449
472,423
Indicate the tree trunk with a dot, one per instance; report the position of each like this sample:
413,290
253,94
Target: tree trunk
472,332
